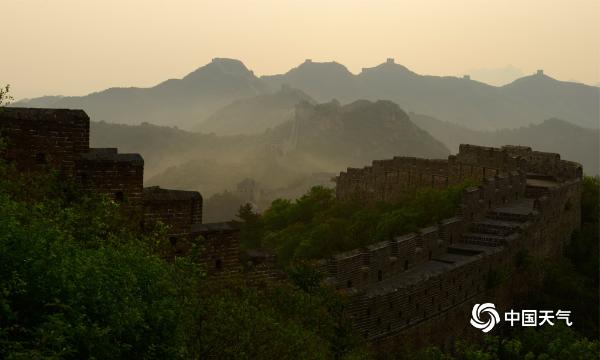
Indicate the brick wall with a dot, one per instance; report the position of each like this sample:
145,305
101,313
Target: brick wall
178,208
424,284
38,139
220,247
119,176
390,180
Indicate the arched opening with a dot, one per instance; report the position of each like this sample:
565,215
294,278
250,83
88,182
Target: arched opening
405,264
173,241
379,275
219,264
119,197
429,255
349,284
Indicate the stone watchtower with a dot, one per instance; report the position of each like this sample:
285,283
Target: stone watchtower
38,140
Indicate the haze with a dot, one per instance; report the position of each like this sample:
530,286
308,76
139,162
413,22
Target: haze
73,47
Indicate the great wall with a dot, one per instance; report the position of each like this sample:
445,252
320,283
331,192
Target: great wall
39,139
418,286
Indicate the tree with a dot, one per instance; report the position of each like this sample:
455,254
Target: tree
75,283
5,97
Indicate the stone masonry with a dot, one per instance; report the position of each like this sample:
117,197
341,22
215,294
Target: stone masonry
38,140
417,286
421,286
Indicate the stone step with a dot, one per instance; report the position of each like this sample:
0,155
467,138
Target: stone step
486,239
507,216
495,227
536,191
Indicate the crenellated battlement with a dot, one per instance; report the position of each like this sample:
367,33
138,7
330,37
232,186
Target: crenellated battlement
391,179
415,284
360,268
41,139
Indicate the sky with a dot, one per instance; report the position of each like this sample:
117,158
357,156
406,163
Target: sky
73,47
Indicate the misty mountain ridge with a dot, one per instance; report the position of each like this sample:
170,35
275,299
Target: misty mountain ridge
463,101
175,102
354,134
320,138
572,142
189,101
256,114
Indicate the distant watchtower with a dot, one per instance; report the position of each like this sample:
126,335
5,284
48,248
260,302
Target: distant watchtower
540,72
390,61
467,77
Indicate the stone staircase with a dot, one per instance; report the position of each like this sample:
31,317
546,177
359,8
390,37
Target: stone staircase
501,225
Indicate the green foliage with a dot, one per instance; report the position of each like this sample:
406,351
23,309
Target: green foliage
75,283
572,282
278,321
317,225
5,97
78,281
545,343
583,248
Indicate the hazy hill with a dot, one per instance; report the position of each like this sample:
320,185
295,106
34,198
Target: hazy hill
463,101
163,146
176,102
571,141
322,80
212,92
353,134
320,138
255,114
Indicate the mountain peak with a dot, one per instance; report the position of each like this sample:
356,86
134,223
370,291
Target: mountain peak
310,65
389,66
222,66
538,78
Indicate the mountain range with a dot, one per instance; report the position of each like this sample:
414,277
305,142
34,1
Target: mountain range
319,138
204,95
572,142
175,102
220,124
